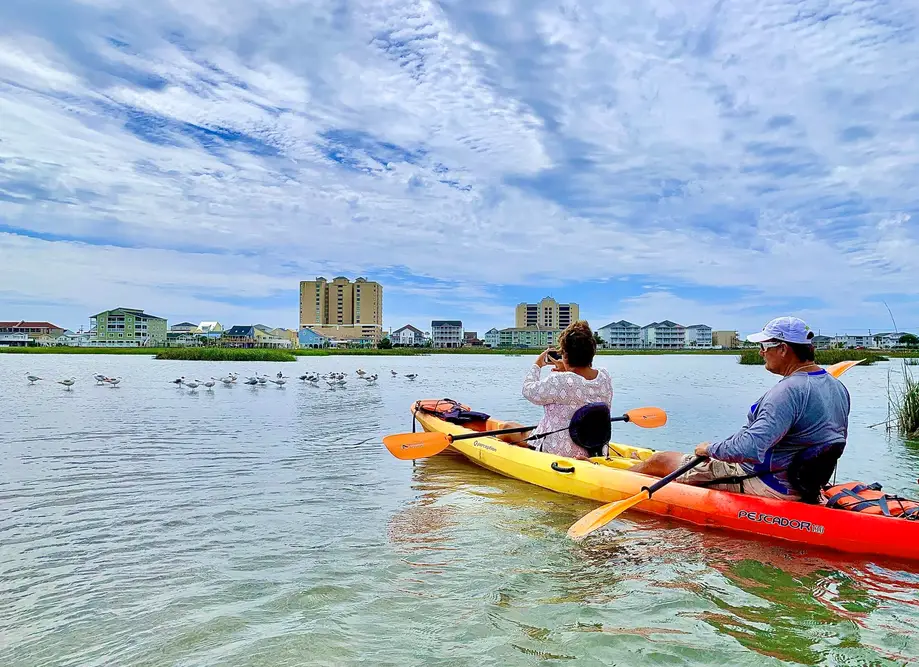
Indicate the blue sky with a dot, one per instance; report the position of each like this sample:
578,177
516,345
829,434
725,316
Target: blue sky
705,162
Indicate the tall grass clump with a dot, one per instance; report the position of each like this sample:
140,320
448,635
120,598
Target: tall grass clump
824,357
224,354
906,406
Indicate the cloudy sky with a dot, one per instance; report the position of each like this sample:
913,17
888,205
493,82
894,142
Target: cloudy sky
716,162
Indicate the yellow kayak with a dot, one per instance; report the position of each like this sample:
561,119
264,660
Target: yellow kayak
608,479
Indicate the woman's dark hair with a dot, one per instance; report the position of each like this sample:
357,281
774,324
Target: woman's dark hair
578,344
803,351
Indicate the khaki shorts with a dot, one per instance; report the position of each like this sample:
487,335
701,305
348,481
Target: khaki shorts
714,469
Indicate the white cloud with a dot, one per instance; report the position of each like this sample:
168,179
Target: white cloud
768,147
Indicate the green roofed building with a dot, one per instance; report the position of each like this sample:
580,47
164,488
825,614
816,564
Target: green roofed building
128,327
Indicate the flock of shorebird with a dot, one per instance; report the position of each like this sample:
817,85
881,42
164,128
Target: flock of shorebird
333,380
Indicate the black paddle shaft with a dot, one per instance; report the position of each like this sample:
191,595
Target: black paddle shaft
664,481
518,429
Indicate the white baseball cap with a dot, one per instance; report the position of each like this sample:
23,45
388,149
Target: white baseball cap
785,329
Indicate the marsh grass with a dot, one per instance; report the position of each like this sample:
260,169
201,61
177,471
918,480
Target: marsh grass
906,405
224,354
824,357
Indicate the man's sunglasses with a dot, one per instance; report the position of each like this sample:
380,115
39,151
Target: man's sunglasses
768,345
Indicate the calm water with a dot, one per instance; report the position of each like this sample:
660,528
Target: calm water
149,525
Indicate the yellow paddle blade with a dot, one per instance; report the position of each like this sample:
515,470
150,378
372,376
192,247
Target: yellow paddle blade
647,417
603,515
838,369
410,446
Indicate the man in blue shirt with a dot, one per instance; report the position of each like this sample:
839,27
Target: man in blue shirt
806,413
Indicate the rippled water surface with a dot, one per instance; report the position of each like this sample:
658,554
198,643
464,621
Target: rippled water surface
151,525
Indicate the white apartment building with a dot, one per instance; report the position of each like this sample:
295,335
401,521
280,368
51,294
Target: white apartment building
621,335
664,335
852,342
446,333
699,336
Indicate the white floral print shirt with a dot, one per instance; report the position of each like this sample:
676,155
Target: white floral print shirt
562,394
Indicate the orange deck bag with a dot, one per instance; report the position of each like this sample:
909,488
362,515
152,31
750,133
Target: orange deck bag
869,499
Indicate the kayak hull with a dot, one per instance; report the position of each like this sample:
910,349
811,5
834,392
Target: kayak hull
607,480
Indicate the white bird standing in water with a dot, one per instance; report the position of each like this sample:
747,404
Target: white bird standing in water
113,381
394,373
411,376
68,383
279,381
210,384
33,378
99,378
194,384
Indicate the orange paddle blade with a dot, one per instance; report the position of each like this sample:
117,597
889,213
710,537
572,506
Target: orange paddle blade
603,515
647,417
410,446
838,369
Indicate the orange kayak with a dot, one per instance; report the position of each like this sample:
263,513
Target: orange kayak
607,479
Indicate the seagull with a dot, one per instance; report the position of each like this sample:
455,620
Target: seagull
67,383
179,381
99,378
33,378
280,375
263,379
280,382
227,381
394,373
113,381
371,379
194,384
251,381
361,372
210,384
411,376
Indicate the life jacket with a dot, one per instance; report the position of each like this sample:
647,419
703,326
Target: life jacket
450,410
869,499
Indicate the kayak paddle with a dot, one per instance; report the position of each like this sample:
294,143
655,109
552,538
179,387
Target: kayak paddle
411,446
606,513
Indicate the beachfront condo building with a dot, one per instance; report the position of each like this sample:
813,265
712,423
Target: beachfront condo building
528,337
621,335
446,333
698,336
548,313
128,327
342,309
664,335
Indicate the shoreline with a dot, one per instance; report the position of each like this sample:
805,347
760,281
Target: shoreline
255,354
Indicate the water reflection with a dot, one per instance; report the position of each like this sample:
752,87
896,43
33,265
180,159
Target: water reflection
779,601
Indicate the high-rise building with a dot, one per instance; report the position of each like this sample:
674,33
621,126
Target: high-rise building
343,308
547,313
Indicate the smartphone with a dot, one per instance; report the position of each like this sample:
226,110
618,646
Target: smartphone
554,355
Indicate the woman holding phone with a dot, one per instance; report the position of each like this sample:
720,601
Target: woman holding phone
571,384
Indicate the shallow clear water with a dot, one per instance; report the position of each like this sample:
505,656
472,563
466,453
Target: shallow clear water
150,525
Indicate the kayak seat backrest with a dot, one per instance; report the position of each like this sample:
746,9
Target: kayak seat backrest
869,499
591,428
811,469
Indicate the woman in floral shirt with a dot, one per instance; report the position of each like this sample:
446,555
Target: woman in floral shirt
572,384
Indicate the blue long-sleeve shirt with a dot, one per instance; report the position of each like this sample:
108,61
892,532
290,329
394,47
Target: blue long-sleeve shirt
801,410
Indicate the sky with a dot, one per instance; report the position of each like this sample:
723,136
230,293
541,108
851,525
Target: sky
707,162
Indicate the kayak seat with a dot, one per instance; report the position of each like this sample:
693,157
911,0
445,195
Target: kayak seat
811,469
